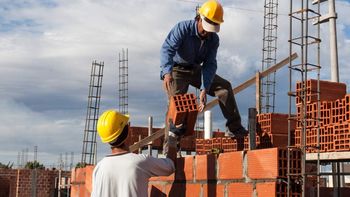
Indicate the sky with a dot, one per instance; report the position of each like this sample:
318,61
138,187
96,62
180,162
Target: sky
47,47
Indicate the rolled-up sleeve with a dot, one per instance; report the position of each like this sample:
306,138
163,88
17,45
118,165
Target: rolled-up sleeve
169,48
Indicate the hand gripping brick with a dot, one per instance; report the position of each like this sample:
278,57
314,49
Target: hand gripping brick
183,109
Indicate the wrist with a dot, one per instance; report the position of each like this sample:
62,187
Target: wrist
172,139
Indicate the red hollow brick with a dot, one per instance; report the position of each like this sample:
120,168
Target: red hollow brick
88,177
329,91
267,189
183,109
274,123
182,189
230,165
240,189
200,146
208,146
213,189
205,167
263,163
217,143
229,145
184,168
272,163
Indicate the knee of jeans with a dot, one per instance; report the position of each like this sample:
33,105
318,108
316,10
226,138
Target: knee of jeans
222,93
227,85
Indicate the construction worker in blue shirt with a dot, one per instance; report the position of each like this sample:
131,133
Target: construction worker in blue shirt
188,57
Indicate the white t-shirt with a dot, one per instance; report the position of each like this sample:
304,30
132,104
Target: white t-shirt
127,175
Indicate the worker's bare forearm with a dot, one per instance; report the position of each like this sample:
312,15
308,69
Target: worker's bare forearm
171,147
172,152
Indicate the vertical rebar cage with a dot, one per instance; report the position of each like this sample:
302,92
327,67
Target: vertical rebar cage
269,51
123,81
304,38
89,143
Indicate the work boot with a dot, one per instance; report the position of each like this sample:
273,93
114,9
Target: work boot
241,132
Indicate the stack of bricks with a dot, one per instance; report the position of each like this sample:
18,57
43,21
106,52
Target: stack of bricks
272,131
334,116
221,145
81,181
254,173
183,109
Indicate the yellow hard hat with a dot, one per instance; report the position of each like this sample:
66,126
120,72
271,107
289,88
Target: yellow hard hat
213,11
110,125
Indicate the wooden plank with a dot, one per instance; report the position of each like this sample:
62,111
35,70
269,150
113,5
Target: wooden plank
146,140
251,81
257,92
214,102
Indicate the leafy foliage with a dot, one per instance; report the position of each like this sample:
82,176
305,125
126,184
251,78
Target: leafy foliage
8,166
34,165
80,165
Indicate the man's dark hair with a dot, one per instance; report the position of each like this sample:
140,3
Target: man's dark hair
197,17
121,139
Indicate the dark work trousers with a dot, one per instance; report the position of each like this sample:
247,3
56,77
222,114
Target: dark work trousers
221,88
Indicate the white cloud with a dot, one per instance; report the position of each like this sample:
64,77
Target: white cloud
52,131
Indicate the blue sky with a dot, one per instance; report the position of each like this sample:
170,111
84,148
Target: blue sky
47,47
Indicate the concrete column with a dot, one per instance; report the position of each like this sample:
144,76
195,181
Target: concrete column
208,131
333,41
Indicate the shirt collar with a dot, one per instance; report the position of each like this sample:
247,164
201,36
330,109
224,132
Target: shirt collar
195,31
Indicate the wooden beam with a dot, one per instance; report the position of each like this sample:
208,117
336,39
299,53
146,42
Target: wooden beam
146,140
251,81
257,92
214,102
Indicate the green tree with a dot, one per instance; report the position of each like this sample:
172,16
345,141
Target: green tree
34,165
8,166
80,165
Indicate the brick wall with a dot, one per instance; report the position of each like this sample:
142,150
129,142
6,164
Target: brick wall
240,173
8,182
22,182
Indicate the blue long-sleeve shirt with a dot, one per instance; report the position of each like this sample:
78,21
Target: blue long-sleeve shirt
183,46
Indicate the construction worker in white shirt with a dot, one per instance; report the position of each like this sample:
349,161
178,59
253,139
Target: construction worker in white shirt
123,173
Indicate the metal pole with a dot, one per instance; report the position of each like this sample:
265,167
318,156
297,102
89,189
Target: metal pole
34,177
59,182
338,179
333,41
150,128
252,128
289,98
304,61
318,102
